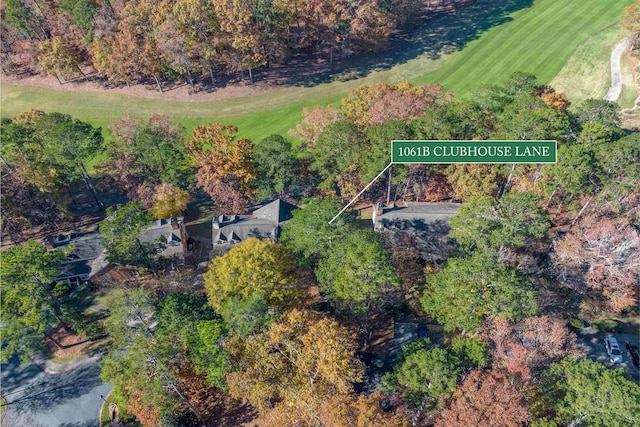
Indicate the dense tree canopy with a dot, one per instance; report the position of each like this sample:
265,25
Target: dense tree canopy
154,341
295,366
141,40
466,289
144,155
29,306
121,230
427,373
309,233
356,272
590,393
485,399
253,266
42,154
276,167
506,223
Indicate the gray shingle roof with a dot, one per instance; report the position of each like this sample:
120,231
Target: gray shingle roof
277,211
264,223
82,260
161,230
425,212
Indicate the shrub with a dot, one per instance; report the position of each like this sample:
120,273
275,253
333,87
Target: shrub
606,325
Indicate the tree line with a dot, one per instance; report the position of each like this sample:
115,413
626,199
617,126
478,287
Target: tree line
131,41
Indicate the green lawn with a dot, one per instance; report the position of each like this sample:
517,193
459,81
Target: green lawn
629,94
498,37
539,39
587,74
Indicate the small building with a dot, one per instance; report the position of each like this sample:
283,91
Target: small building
171,235
114,273
87,258
263,223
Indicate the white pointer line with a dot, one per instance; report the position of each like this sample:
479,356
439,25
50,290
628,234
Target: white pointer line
360,193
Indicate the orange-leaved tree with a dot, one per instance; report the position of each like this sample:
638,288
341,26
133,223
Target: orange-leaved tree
226,169
290,370
485,399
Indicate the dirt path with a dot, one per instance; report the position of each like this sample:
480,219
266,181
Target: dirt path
616,78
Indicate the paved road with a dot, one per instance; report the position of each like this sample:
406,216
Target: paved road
616,79
71,399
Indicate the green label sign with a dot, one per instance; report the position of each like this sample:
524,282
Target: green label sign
474,152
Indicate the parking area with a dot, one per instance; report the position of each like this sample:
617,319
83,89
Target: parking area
595,348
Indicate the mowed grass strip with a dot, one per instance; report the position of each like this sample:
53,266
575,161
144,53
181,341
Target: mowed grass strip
587,74
539,38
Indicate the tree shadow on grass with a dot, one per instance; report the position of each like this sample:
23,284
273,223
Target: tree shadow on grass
431,34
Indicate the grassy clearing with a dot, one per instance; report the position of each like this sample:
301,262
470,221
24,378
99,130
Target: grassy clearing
517,35
539,39
629,93
587,74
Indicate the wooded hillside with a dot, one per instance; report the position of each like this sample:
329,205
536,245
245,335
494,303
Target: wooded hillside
139,40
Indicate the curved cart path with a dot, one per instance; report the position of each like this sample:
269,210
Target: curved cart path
616,79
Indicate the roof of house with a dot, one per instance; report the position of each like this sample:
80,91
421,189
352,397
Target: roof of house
161,230
263,223
87,257
424,212
277,211
244,227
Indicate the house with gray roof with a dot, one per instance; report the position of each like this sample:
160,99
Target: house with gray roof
86,259
425,213
263,223
421,226
171,235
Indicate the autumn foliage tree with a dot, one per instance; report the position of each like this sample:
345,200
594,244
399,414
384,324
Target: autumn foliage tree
631,22
527,348
225,165
144,154
253,266
169,201
485,398
348,411
294,367
601,253
58,58
469,180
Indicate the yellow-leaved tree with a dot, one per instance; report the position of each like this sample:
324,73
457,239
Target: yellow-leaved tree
169,201
253,266
299,362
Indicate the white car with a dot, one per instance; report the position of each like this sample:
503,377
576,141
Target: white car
613,350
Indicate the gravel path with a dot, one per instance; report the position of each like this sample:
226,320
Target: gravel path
616,80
